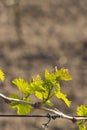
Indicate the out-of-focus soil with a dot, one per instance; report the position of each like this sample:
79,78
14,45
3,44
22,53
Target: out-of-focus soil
39,34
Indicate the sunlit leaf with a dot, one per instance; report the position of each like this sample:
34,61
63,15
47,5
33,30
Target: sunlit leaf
22,108
39,95
22,85
81,125
62,96
63,74
58,87
82,110
2,75
37,84
50,78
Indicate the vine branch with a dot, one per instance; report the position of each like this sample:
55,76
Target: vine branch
38,105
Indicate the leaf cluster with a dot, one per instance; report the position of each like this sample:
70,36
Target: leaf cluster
44,90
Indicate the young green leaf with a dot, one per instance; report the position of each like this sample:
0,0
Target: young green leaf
63,74
82,111
41,95
81,125
44,97
62,96
37,87
2,75
22,108
22,85
50,78
36,84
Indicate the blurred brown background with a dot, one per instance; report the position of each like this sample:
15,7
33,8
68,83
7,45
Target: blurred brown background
39,34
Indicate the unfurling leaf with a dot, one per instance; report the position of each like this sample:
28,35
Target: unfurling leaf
50,78
63,74
36,84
